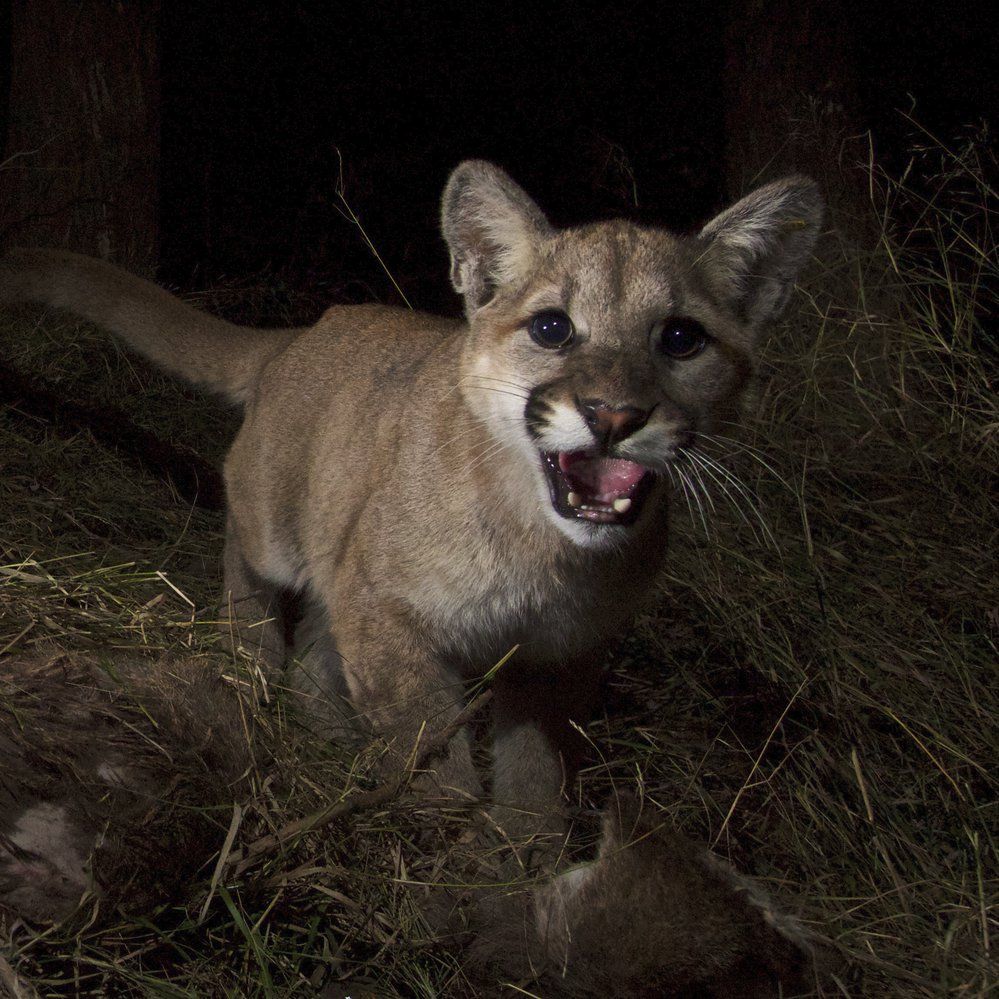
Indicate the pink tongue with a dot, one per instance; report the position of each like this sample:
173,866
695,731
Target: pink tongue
605,478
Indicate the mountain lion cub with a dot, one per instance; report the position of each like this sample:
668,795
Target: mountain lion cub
441,491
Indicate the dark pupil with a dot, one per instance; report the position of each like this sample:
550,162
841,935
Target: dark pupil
682,340
551,329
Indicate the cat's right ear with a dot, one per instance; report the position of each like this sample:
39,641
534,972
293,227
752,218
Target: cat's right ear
493,231
755,249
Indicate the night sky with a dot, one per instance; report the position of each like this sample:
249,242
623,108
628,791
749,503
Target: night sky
591,108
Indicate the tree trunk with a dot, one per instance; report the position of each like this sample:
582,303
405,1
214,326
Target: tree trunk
80,167
790,90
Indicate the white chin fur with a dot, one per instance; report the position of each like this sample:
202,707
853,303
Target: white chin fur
588,535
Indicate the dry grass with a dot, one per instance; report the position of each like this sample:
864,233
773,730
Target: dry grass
814,691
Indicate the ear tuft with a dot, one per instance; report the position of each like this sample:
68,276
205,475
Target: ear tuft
755,250
493,230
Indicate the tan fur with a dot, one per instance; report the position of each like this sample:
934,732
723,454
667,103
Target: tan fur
119,778
653,915
388,466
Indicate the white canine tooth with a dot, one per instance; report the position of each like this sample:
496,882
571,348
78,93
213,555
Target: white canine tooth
622,504
575,500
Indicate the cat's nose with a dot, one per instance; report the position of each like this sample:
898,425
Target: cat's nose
611,424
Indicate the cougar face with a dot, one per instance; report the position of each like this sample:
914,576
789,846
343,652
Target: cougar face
600,370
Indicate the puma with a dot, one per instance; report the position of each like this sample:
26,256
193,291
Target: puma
441,491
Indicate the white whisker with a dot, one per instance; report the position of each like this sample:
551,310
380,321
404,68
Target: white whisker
474,423
499,381
697,499
730,444
724,478
489,452
687,488
695,470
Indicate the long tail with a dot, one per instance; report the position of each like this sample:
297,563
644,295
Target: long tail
175,336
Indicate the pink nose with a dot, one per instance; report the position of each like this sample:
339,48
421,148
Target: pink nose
611,424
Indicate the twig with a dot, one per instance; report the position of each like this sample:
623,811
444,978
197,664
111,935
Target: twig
340,189
244,859
4,164
863,957
756,762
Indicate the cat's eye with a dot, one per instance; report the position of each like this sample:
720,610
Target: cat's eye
551,329
679,338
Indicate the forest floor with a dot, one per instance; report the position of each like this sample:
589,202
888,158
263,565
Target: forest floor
813,690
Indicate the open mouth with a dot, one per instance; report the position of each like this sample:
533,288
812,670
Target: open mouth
586,486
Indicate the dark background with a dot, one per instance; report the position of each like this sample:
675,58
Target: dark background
596,110
569,102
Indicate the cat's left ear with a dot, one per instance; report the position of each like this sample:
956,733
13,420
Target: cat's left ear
755,249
